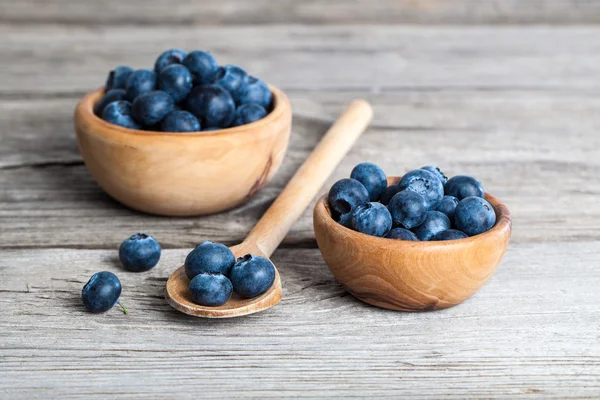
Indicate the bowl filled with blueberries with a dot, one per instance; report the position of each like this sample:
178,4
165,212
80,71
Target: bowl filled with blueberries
187,137
411,243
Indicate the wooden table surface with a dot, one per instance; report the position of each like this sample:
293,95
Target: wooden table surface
504,90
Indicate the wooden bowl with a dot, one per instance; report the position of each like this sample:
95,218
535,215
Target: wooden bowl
183,174
406,275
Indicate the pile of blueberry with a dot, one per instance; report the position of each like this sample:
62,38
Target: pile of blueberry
212,269
186,92
424,205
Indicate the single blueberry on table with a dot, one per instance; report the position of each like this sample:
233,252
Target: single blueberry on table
109,97
450,234
232,78
435,222
169,57
345,196
448,205
474,215
117,78
461,186
120,113
402,234
254,91
252,275
372,219
152,107
102,292
209,257
176,81
408,209
180,121
372,177
388,193
437,172
202,65
139,253
211,289
426,184
140,82
212,105
248,113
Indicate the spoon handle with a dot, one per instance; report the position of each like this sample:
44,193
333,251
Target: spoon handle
305,184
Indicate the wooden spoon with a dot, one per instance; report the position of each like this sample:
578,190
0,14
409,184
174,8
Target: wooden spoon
279,218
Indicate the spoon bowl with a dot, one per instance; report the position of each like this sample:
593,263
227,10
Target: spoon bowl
407,275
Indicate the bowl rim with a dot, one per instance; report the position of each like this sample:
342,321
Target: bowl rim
502,225
85,110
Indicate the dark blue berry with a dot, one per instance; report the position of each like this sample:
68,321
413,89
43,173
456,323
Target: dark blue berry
437,172
372,219
139,253
176,81
169,57
232,78
254,91
252,275
202,65
140,82
372,177
210,289
450,234
448,205
109,97
212,105
388,193
209,257
461,186
426,184
435,222
152,107
119,113
474,215
180,121
408,209
211,128
101,292
346,195
402,234
117,78
344,219
248,113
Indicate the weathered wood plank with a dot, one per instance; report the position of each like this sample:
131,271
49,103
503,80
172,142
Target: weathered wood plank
235,12
531,332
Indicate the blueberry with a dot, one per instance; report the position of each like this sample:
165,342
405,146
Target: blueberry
211,128
461,186
109,97
152,107
119,113
139,253
210,289
344,219
435,222
248,113
449,234
101,292
448,205
408,209
388,193
372,177
209,257
117,78
402,234
474,215
232,78
252,276
426,184
169,57
372,219
346,195
140,82
180,121
176,81
254,91
202,65
437,172
212,105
